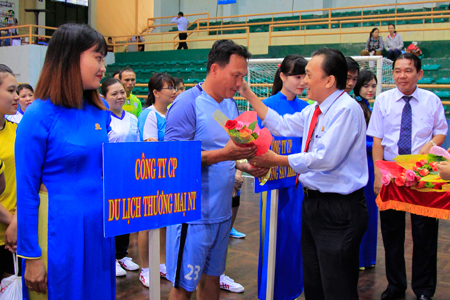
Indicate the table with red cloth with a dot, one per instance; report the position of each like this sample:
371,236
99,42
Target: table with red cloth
429,204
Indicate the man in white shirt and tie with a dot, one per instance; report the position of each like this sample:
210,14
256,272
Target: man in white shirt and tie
333,171
182,24
407,120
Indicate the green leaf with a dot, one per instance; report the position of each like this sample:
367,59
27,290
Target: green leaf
252,126
436,158
255,135
429,185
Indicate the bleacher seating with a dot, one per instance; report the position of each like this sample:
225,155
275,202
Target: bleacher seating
376,13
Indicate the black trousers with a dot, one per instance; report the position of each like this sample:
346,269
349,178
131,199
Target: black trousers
332,228
182,37
424,261
122,242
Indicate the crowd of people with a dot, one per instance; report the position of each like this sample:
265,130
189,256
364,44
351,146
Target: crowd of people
51,172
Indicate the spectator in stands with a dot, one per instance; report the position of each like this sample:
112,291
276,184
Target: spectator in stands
374,44
365,90
200,262
123,129
110,47
132,103
352,74
407,120
26,97
182,24
179,83
152,127
8,199
393,43
60,232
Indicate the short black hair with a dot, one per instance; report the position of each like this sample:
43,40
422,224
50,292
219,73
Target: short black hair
107,83
116,72
413,58
156,82
125,70
24,86
334,64
221,52
352,65
180,13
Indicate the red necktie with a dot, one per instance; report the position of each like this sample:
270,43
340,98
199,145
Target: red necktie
315,116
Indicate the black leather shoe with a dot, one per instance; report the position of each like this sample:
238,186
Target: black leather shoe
423,297
389,295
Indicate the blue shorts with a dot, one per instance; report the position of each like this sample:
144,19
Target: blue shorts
196,249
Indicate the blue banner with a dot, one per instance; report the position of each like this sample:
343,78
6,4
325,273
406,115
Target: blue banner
150,185
227,1
280,177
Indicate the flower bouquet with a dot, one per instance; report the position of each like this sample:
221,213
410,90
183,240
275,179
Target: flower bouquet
245,132
416,171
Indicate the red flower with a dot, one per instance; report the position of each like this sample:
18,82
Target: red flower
417,178
419,164
414,168
230,124
438,185
400,180
433,164
424,172
420,184
434,169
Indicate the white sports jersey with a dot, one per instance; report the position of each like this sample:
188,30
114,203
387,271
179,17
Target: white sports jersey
15,118
124,129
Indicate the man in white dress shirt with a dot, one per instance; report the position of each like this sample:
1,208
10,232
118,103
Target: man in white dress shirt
407,120
182,24
333,171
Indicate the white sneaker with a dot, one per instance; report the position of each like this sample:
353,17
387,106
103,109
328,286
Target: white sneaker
143,278
162,270
228,284
119,270
128,264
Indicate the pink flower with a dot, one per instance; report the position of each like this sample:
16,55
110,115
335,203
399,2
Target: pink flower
410,175
239,125
386,179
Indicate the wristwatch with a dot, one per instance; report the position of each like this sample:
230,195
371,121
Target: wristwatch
432,142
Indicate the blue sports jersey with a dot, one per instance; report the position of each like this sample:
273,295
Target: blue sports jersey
190,118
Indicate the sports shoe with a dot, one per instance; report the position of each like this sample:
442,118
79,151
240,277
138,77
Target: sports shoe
119,270
228,284
162,270
236,234
143,278
128,264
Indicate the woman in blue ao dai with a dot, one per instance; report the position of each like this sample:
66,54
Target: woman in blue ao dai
59,167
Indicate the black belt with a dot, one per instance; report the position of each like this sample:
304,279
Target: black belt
317,194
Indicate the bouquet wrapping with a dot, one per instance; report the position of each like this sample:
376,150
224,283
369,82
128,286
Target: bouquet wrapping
245,132
411,183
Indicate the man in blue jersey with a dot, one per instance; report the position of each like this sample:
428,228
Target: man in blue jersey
196,252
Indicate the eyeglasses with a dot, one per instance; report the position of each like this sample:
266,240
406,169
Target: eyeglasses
170,88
